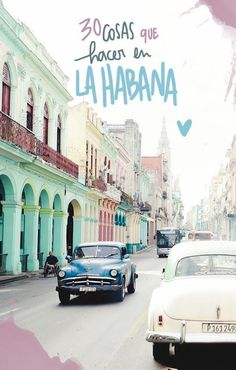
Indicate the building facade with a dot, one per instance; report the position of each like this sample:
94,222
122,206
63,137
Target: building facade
41,200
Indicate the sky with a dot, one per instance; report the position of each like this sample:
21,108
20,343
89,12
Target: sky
193,47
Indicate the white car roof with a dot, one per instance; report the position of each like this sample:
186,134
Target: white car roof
112,244
193,248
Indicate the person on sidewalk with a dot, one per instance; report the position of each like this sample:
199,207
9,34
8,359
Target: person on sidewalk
51,264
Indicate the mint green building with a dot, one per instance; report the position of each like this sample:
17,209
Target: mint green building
42,203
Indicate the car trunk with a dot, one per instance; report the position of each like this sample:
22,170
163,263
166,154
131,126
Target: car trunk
203,299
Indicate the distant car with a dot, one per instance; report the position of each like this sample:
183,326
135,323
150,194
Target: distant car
200,235
97,267
195,303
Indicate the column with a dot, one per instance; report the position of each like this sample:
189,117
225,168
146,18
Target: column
31,214
76,230
45,231
11,234
59,236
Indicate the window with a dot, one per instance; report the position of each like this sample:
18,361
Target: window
59,134
96,162
207,265
45,124
6,89
91,160
30,107
86,168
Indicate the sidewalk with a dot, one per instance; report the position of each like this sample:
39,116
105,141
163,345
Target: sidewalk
4,279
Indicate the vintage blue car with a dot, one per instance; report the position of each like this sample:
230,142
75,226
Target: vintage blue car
97,267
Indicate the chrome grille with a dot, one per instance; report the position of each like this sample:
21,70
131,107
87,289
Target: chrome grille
89,280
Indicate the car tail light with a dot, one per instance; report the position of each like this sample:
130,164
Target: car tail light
160,320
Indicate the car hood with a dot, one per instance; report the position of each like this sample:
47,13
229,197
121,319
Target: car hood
88,266
200,298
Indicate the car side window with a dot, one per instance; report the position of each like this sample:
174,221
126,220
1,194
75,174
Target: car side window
188,266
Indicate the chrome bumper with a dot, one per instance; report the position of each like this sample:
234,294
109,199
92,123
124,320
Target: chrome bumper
152,336
182,337
75,290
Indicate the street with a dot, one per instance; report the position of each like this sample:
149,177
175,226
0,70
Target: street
99,333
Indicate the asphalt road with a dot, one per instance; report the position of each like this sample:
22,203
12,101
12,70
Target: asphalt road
98,332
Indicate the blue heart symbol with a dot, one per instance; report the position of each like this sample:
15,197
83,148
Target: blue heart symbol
184,128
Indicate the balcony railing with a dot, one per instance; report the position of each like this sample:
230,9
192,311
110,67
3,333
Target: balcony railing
20,136
126,198
145,207
99,184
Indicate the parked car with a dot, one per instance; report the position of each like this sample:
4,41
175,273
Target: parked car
195,303
97,267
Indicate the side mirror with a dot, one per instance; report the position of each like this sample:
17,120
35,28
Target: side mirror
68,258
123,251
126,256
163,270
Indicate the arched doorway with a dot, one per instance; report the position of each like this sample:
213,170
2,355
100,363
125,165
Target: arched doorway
10,217
58,230
69,230
73,231
2,257
28,230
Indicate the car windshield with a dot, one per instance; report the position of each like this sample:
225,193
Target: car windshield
96,251
167,240
218,264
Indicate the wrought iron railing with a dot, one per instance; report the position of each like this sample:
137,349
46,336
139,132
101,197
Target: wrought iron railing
99,184
126,198
20,136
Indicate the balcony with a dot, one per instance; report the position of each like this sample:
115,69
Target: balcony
145,207
126,198
113,192
99,184
20,136
57,159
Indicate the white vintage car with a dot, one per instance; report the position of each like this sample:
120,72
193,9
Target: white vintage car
196,302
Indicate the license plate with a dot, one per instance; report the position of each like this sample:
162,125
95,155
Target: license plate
218,328
87,289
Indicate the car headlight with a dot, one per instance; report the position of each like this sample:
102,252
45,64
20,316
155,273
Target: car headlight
113,273
61,273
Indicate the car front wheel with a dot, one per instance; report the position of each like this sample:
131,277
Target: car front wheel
132,285
64,298
161,352
120,295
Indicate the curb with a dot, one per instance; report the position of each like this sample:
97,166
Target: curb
13,278
7,280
